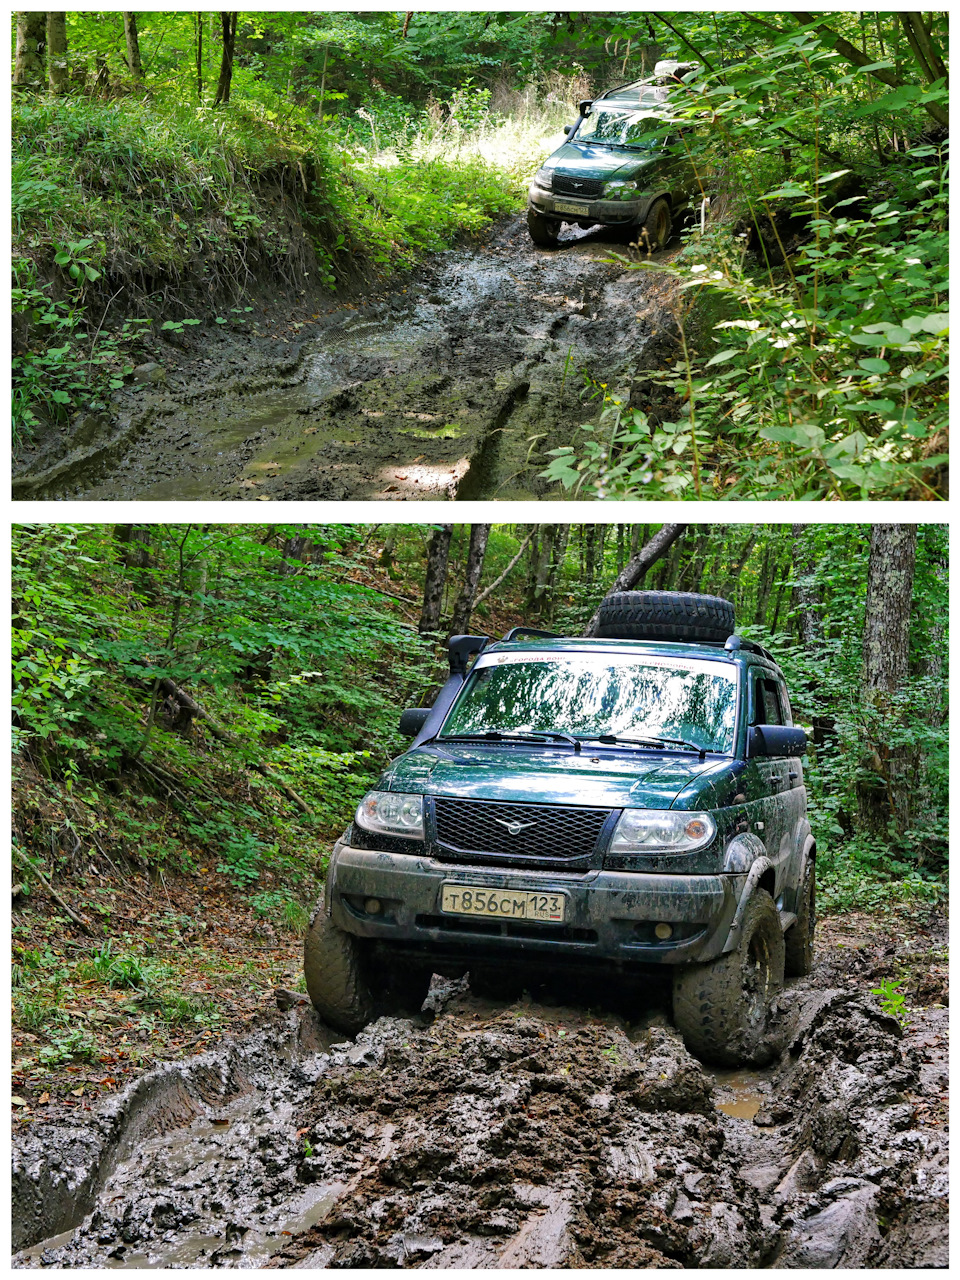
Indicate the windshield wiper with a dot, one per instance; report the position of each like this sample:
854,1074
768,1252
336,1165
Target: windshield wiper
609,740
495,735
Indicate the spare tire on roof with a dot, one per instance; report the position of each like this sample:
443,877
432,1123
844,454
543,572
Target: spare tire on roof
664,615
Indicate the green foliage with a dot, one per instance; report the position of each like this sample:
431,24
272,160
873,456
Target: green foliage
892,1000
68,1045
827,376
297,665
282,906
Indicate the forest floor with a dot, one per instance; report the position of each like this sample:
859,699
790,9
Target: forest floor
532,1132
453,383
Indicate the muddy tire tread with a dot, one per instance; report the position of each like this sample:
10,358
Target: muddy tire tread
707,997
665,615
798,940
334,966
543,231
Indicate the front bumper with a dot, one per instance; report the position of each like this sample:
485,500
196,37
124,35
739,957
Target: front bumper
608,212
610,915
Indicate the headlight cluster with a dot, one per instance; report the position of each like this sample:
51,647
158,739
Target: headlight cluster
656,831
544,178
619,189
391,813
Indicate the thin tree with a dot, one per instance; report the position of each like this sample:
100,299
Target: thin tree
438,554
133,45
58,77
883,792
199,57
633,572
228,24
479,533
28,67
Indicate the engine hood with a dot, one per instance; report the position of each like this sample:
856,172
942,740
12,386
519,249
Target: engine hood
605,778
605,162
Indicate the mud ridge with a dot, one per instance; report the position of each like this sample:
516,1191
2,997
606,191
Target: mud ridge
60,1168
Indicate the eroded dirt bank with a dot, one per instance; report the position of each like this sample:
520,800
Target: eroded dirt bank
520,1134
454,386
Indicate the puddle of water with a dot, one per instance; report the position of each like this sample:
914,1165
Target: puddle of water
741,1094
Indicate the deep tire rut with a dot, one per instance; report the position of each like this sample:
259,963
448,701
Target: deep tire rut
484,1134
400,398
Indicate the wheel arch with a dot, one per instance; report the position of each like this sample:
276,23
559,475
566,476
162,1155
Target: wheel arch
762,875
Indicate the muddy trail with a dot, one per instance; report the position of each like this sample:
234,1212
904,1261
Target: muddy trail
455,385
487,1134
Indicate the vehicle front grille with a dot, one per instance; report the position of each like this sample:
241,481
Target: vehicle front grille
569,185
565,835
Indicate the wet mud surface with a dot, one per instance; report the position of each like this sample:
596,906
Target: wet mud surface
489,1134
453,386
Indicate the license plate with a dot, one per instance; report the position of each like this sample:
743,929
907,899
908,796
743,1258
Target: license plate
582,209
504,904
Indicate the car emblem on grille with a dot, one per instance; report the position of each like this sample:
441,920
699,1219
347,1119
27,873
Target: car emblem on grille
578,185
513,827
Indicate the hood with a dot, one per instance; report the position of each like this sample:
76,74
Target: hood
606,162
548,775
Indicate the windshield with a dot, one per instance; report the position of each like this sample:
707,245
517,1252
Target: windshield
588,695
626,126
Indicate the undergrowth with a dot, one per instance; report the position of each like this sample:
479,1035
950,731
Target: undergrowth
162,204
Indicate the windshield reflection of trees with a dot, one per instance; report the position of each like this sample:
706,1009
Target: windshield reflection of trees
628,701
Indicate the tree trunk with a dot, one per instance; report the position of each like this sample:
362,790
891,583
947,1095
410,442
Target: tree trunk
657,547
438,554
58,75
884,794
808,594
736,568
692,574
199,57
228,23
133,45
479,533
28,68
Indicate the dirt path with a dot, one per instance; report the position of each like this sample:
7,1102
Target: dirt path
454,386
524,1134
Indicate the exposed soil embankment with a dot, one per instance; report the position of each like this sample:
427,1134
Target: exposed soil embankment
524,1134
455,384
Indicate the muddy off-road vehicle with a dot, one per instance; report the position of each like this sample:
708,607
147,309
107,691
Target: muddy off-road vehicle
623,165
600,805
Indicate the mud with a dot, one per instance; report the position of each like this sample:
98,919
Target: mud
455,386
511,1134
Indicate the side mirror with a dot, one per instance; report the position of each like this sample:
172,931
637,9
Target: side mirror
776,740
567,129
412,720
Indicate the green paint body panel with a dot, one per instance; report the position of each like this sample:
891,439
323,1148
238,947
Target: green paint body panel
613,900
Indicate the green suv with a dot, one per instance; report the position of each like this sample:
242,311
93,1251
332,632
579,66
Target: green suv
608,804
622,165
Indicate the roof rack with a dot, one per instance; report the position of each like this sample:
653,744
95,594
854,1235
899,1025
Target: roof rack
514,632
733,643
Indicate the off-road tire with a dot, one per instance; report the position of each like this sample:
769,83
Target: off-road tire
543,231
656,227
798,940
336,966
664,615
721,1008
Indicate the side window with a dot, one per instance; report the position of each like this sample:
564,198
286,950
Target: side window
785,703
771,703
766,703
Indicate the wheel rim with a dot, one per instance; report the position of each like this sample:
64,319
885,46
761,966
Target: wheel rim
663,226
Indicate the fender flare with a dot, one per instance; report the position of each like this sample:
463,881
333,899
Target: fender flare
755,875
